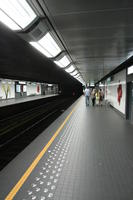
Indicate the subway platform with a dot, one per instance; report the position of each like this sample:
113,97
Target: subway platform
7,102
85,154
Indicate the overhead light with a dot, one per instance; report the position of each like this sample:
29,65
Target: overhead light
101,84
81,80
74,73
39,48
47,46
7,21
130,70
22,82
70,69
63,62
16,14
78,78
77,75
48,43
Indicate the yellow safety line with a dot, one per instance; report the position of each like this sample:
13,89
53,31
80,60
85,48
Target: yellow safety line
19,184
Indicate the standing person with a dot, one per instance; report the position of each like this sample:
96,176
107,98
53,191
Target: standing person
87,96
101,97
93,97
97,97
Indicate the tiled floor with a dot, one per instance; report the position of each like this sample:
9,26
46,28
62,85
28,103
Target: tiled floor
91,159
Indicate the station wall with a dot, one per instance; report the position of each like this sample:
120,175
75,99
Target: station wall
19,89
115,91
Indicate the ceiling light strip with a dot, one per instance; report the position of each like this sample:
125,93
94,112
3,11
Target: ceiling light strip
8,21
18,11
63,62
74,73
47,46
48,43
70,69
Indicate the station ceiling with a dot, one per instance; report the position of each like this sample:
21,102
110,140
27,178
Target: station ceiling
97,34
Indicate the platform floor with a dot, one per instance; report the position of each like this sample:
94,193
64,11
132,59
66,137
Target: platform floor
6,102
90,159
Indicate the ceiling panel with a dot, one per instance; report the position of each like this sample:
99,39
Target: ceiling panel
61,6
98,35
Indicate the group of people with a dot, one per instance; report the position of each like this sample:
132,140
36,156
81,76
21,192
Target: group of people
96,96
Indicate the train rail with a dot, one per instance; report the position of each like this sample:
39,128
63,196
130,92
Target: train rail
17,131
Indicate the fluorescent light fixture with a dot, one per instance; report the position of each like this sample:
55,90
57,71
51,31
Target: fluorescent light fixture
22,82
70,69
8,22
101,84
39,48
92,84
130,70
50,85
78,78
74,73
63,62
47,46
16,14
77,75
81,80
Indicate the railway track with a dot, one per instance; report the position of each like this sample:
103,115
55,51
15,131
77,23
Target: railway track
17,131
